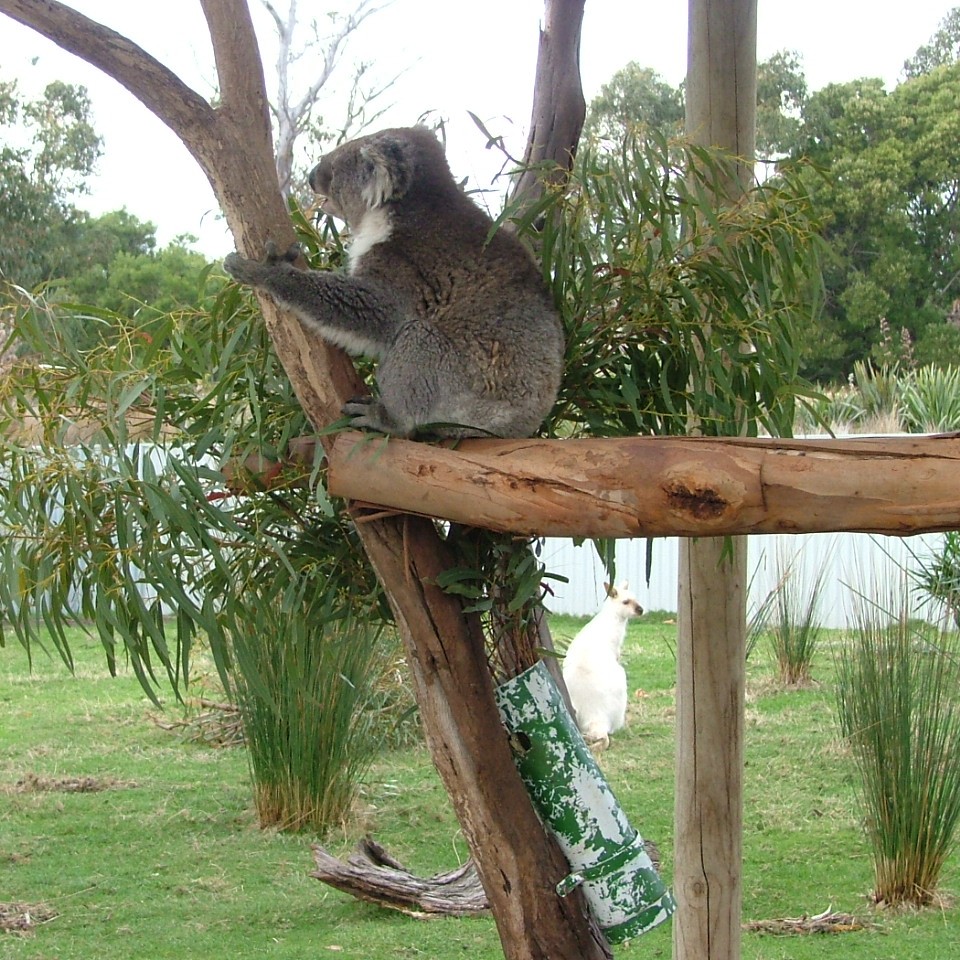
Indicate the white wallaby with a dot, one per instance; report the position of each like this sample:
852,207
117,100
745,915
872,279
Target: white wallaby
592,671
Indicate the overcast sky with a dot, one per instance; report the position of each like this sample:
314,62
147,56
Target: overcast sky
456,56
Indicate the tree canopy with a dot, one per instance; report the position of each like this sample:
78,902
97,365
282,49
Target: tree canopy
109,263
882,177
886,179
49,150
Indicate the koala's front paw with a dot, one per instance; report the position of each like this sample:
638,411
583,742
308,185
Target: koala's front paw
276,255
254,272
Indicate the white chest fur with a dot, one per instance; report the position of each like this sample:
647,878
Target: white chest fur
375,227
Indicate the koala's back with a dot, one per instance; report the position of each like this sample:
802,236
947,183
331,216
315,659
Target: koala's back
482,296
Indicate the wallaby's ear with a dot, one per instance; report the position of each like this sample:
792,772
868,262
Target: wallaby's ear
388,168
610,590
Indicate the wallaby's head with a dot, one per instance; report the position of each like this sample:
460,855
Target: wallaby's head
622,601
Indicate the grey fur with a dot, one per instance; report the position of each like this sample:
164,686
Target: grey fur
464,328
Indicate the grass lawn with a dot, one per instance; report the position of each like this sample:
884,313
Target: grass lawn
167,861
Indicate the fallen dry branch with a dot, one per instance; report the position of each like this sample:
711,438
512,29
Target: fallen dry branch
826,922
371,874
660,486
217,725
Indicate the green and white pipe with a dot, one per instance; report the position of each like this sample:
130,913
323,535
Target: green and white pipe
606,855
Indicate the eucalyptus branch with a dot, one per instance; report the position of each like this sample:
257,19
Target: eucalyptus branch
179,106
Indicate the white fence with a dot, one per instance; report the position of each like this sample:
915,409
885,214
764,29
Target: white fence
852,562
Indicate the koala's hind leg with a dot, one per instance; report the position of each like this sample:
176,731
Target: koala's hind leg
368,413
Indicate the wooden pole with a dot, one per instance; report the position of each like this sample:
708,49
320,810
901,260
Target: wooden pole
709,760
721,101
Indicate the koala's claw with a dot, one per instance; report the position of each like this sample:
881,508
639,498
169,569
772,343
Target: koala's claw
366,413
252,272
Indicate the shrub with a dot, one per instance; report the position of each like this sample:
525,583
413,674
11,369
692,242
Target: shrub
939,576
306,688
898,708
788,615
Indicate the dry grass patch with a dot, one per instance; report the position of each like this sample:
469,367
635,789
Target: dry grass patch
33,783
22,919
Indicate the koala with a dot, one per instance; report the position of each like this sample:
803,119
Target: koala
467,337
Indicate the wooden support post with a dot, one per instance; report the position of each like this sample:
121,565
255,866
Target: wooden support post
709,761
721,107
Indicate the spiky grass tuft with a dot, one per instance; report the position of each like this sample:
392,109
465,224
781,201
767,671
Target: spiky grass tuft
897,699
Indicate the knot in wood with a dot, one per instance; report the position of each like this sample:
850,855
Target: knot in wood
690,493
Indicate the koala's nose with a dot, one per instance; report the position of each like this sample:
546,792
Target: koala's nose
313,178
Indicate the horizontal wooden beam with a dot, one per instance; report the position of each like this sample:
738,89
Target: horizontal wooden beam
660,486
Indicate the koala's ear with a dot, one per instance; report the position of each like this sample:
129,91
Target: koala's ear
389,166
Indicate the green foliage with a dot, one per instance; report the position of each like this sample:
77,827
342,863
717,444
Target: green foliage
888,399
108,262
305,686
930,399
882,177
938,577
638,97
680,298
781,97
888,180
942,49
158,488
898,708
634,96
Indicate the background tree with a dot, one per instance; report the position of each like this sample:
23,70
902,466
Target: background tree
884,179
108,262
887,181
41,178
634,95
294,108
942,49
781,98
637,95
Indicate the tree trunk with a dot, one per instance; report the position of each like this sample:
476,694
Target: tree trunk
558,104
721,104
518,863
661,486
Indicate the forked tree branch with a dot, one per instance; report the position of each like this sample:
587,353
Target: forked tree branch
519,863
180,107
